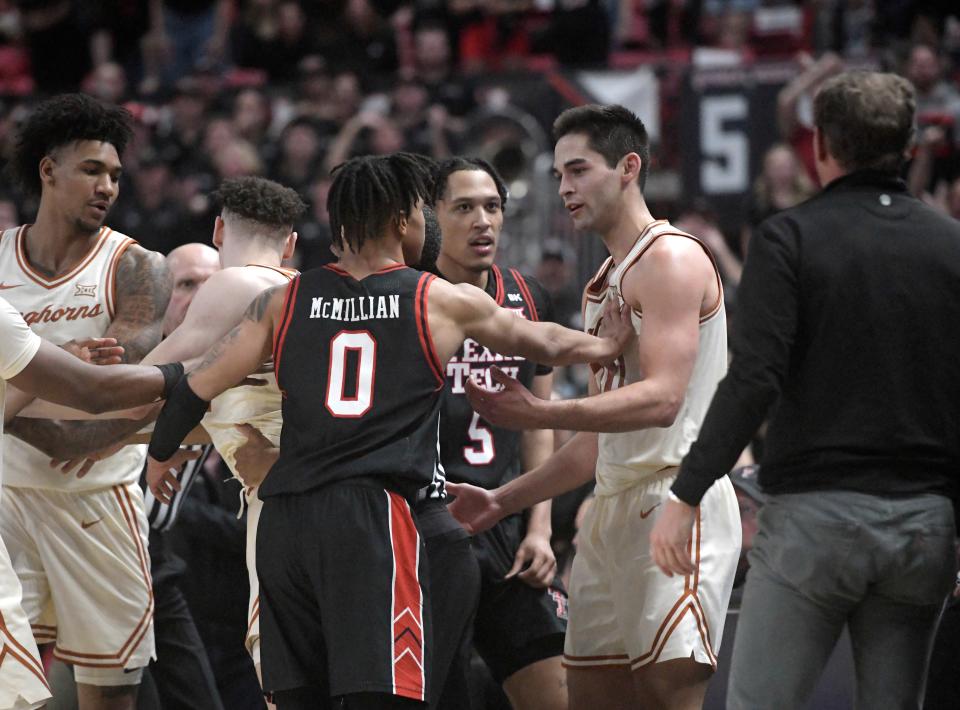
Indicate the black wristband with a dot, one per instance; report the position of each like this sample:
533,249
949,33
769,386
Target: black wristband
172,372
181,413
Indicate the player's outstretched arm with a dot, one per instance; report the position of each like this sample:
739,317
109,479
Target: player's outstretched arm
143,287
569,467
474,313
226,364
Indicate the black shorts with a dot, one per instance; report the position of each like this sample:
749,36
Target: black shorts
454,594
344,600
516,624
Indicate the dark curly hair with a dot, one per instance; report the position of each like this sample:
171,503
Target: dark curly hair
263,201
457,163
371,191
60,121
611,130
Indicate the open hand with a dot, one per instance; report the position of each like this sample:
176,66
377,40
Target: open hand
162,476
96,351
476,509
513,407
536,560
616,326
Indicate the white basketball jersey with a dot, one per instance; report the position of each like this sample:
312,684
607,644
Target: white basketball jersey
78,304
259,406
627,458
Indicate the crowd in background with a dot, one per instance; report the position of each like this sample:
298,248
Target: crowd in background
288,90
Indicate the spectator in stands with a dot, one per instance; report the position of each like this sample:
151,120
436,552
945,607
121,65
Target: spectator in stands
9,216
433,63
364,41
151,211
795,102
781,184
273,36
299,155
428,130
251,115
185,35
107,82
178,136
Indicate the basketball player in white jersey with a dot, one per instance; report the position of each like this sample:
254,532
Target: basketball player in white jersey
79,545
40,368
636,638
254,234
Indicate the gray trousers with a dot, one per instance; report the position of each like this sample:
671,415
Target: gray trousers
881,566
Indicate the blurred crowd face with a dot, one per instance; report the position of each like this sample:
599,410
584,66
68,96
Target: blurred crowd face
8,215
432,49
251,113
780,167
346,96
409,99
291,22
923,68
300,143
107,82
471,217
219,134
591,190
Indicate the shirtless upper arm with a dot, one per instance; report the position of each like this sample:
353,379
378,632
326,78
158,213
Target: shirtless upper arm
241,351
143,287
217,307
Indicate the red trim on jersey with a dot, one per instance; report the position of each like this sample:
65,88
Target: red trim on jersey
387,269
527,296
407,628
336,269
110,285
423,327
51,283
498,293
286,315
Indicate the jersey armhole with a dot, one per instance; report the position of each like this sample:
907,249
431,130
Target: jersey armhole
716,271
286,315
525,293
423,327
110,288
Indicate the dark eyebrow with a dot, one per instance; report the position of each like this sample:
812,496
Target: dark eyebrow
101,164
574,161
479,198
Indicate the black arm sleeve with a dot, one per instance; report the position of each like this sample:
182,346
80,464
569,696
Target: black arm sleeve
182,411
763,337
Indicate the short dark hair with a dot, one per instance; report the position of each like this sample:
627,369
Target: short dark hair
866,119
265,202
457,163
62,120
611,130
370,191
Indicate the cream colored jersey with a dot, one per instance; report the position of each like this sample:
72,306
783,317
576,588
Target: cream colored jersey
18,346
627,458
78,304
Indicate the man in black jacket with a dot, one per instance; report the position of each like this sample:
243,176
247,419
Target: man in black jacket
848,319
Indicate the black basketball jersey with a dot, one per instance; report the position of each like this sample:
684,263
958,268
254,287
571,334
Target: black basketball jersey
360,379
471,449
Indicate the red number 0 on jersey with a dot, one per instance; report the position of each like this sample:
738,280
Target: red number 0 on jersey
361,342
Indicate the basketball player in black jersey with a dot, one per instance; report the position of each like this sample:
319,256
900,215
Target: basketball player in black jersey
521,619
359,349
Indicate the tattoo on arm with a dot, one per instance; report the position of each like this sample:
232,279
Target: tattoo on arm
69,439
222,345
143,290
144,285
258,306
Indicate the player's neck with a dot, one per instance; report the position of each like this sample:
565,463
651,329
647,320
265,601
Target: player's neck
457,274
371,258
623,233
53,245
253,255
